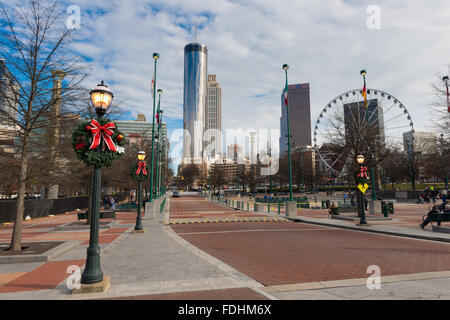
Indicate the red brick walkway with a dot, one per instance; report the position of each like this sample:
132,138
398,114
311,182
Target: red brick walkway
312,253
49,275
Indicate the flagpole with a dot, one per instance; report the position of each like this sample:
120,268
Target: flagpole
158,144
286,67
372,170
156,57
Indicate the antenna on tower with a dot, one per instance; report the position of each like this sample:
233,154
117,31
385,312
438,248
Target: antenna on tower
195,32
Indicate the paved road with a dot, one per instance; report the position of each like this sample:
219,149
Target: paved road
290,253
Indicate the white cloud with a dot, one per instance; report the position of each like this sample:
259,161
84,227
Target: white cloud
325,43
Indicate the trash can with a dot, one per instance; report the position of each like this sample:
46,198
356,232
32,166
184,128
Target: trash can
385,208
391,207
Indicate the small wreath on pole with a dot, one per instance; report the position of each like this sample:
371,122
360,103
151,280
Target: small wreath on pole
138,171
87,137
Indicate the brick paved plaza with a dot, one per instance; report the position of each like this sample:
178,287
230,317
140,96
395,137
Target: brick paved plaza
220,253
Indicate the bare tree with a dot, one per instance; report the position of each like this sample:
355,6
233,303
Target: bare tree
33,41
217,178
356,131
441,117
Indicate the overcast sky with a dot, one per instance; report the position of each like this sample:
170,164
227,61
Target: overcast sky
325,43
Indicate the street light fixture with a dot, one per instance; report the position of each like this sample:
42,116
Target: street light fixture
101,98
360,159
155,57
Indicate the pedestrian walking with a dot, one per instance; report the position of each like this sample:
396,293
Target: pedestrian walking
105,203
112,203
366,203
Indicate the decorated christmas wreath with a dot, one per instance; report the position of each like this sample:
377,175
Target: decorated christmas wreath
139,171
87,137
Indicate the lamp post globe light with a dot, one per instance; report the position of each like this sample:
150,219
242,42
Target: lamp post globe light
155,57
359,180
101,98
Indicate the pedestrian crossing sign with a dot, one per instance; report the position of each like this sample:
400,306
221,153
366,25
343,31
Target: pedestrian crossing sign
363,187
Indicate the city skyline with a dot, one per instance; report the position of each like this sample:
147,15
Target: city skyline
249,63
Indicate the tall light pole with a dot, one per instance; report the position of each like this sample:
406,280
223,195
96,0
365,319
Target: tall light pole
155,57
141,168
286,67
270,176
158,118
372,170
162,149
445,79
411,163
101,98
444,158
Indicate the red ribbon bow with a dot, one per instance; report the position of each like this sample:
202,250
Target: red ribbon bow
104,132
142,166
363,173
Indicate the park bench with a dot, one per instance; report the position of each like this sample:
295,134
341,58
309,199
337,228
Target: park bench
103,215
435,216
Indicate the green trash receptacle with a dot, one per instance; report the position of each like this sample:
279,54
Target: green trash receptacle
384,208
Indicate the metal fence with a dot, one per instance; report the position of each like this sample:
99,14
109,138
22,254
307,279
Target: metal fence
41,207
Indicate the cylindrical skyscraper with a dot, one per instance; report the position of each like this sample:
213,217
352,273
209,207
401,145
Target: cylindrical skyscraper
194,102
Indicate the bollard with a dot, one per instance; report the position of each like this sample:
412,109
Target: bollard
279,208
255,207
268,207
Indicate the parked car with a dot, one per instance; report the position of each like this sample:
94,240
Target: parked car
175,194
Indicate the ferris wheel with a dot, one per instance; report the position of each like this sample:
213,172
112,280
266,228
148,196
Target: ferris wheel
383,110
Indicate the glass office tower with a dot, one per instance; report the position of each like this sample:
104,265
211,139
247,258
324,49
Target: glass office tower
194,101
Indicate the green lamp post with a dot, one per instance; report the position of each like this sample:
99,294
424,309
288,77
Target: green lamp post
361,178
101,98
443,149
160,151
286,67
372,170
139,173
158,142
155,57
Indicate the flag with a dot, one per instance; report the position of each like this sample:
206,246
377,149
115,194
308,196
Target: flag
286,95
364,93
448,100
153,88
157,117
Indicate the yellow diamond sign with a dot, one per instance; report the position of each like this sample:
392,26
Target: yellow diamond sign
363,187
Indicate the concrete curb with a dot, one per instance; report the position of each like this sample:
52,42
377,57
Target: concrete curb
67,227
46,256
